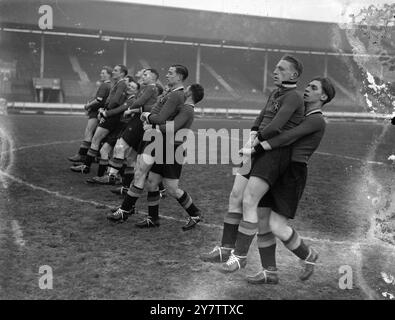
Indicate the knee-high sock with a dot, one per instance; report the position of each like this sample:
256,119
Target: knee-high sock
231,226
186,202
103,163
90,156
153,199
267,249
131,198
84,147
128,176
245,235
115,165
297,246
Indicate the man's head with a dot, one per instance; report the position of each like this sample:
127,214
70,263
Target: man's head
149,76
195,92
287,70
132,85
176,74
319,90
105,73
120,71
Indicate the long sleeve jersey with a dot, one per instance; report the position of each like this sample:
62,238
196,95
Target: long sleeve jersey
284,110
305,138
183,119
167,107
146,98
119,110
100,97
117,95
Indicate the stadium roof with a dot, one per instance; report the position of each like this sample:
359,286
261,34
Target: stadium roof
166,23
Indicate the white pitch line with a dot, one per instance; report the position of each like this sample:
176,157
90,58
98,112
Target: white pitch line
212,226
40,145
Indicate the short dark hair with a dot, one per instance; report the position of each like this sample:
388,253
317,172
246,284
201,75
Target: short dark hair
181,70
296,63
123,68
156,73
130,78
160,89
327,87
107,69
197,92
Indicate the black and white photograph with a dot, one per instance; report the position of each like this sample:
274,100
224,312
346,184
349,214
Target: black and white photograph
196,155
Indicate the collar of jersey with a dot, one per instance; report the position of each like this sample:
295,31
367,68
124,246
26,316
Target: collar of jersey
190,104
288,85
179,88
107,81
313,111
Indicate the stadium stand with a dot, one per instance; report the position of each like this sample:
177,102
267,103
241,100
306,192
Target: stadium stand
233,78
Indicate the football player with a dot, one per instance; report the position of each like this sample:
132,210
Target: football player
91,109
279,205
170,173
110,140
109,116
132,135
283,111
164,110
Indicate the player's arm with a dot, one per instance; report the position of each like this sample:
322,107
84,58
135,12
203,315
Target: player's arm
167,110
180,120
148,92
311,124
289,105
98,102
115,111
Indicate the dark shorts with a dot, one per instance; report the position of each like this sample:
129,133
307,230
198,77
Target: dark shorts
171,169
283,198
111,123
114,135
93,114
133,133
270,165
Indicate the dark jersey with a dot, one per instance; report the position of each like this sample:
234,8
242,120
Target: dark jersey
117,95
146,98
305,138
127,104
284,110
183,119
100,98
102,92
167,106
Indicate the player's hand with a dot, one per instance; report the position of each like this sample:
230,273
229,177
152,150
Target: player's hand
147,126
144,116
255,142
246,151
103,114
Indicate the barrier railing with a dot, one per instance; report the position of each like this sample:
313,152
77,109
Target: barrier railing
78,109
